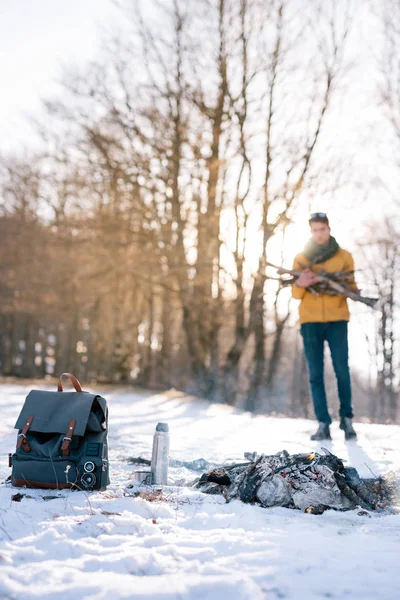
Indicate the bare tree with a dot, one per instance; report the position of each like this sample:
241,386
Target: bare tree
382,257
288,151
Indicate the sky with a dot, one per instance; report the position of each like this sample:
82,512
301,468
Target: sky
36,39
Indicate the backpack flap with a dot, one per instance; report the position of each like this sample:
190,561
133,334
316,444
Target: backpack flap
52,412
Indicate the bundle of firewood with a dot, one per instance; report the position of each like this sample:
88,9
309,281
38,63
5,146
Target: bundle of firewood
333,283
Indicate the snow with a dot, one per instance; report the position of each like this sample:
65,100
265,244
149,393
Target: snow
188,545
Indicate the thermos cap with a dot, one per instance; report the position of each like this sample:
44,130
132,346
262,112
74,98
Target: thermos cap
162,427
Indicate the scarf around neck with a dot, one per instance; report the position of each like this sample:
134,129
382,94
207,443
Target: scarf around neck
317,253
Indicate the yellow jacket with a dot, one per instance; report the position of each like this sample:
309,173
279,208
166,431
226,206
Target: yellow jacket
324,307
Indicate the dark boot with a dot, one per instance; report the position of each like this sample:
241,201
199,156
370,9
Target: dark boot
323,432
346,423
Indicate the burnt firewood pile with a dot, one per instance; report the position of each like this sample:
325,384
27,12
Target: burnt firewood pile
312,483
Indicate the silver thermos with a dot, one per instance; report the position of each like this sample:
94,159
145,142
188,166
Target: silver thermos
160,455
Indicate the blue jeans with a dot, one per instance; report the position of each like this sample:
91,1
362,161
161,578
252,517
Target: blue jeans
314,336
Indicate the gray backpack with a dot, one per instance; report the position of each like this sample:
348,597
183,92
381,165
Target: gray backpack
62,440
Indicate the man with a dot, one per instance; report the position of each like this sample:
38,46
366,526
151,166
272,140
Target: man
325,317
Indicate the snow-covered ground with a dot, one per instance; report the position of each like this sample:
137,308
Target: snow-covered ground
190,545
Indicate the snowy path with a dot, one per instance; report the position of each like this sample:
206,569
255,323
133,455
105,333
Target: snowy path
194,546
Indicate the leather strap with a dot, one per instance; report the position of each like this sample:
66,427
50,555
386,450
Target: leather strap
21,440
74,381
67,439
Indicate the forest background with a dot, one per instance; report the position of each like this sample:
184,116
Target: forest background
162,172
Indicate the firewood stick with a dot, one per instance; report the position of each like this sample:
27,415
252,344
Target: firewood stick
340,289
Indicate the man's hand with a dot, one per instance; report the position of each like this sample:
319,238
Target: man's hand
307,278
